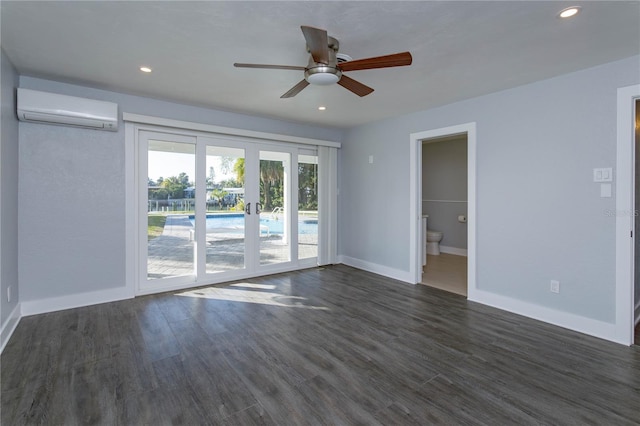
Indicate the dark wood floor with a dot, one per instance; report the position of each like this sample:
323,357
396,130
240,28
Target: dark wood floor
330,345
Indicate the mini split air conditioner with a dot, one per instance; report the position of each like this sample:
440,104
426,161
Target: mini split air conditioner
51,108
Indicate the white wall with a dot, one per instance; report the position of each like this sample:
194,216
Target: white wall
444,179
8,197
539,214
72,193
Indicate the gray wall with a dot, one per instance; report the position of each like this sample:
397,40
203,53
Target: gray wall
539,214
444,178
72,191
8,189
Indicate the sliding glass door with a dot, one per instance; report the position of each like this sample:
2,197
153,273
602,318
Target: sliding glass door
275,207
307,204
218,209
168,196
225,224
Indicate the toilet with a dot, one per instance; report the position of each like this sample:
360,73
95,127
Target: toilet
433,242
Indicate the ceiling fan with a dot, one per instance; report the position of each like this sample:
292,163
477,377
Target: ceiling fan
326,65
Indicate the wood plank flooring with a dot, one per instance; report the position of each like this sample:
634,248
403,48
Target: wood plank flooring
325,346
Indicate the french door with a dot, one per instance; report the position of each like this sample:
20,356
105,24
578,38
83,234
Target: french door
215,209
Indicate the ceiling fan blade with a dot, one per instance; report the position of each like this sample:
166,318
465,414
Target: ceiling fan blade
270,67
354,86
395,60
295,89
318,43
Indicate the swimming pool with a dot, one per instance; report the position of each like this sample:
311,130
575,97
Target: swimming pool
233,221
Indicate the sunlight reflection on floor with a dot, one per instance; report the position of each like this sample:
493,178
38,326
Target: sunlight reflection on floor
232,293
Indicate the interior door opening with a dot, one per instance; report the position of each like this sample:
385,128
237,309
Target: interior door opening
444,165
417,239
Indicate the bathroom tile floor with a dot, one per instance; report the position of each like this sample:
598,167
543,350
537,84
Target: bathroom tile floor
446,272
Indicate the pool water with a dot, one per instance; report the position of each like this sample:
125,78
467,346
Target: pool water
236,220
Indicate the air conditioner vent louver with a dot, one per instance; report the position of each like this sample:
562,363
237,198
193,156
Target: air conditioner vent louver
51,108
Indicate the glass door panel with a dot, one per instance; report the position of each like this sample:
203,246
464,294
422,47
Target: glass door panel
307,206
170,206
213,209
274,229
225,243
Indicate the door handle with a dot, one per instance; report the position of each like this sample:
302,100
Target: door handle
247,209
258,208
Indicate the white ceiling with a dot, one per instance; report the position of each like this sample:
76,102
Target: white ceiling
460,49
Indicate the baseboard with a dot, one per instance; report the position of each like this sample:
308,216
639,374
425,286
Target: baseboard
396,274
453,250
637,314
592,327
9,327
52,304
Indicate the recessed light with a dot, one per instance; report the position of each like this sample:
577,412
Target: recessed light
145,69
569,12
322,108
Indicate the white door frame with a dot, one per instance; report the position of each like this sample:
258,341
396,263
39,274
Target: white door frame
625,213
252,266
415,198
135,123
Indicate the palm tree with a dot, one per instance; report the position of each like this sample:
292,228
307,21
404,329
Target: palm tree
271,172
218,195
238,167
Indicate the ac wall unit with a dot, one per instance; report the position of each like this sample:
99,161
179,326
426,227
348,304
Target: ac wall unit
51,108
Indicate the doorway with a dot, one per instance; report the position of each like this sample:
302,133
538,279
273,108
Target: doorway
627,294
444,211
214,209
417,238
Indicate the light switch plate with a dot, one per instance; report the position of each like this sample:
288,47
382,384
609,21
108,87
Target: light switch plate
603,174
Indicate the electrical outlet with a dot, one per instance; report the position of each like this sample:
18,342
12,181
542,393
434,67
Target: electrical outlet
555,286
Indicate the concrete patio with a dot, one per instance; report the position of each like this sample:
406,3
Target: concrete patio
171,254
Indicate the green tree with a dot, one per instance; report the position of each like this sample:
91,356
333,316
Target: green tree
158,194
307,186
218,195
175,186
230,183
183,178
238,168
271,175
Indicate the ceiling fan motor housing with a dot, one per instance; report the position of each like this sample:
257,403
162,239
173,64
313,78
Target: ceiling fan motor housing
324,74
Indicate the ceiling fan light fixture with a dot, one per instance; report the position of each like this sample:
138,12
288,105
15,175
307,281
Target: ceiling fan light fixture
322,75
323,79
